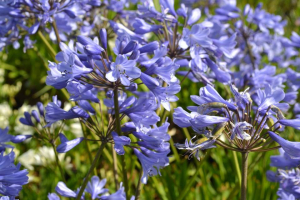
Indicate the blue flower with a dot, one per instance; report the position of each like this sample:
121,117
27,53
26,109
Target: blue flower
284,161
239,131
54,113
20,138
150,166
11,177
194,16
195,148
291,148
53,196
95,187
79,91
269,97
197,35
66,145
209,94
69,68
119,195
295,123
122,69
4,137
141,27
120,141
27,120
64,191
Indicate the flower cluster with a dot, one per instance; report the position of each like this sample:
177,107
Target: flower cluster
12,178
95,189
233,119
287,175
120,73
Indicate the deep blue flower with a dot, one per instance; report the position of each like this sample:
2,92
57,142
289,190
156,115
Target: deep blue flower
141,27
284,161
120,141
64,191
66,145
209,94
197,35
295,123
291,148
120,195
150,166
79,91
53,196
61,73
239,131
19,138
269,97
95,187
122,69
11,177
54,113
27,120
4,137
194,148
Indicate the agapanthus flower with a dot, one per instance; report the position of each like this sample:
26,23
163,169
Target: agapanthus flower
214,115
95,189
66,145
122,69
54,113
12,178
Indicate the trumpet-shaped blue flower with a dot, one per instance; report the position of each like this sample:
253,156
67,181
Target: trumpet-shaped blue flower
284,161
197,35
54,113
291,148
120,141
209,94
194,148
69,68
95,187
295,123
122,69
150,166
66,145
11,177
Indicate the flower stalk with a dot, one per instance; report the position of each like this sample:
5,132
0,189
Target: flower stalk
244,175
57,162
118,129
86,179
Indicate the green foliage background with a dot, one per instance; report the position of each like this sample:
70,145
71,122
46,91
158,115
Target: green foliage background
22,81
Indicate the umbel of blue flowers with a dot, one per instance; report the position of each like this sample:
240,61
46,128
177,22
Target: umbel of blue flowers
287,175
12,178
243,124
95,190
88,68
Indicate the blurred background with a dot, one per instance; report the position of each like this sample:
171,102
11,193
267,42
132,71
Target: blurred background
22,85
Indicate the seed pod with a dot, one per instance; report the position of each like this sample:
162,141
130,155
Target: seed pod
213,105
218,130
277,111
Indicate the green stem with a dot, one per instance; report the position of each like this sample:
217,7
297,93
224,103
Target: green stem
118,129
52,52
236,163
244,175
115,164
56,31
58,163
192,179
139,187
87,145
98,155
